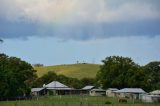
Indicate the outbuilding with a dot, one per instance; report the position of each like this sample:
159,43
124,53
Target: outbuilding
150,98
132,93
97,92
38,91
110,92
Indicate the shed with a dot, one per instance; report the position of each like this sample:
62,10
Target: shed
85,90
38,91
97,92
110,92
150,98
133,93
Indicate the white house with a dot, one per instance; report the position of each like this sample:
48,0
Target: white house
58,88
110,92
133,93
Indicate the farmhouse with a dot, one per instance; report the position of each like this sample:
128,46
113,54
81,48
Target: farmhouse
132,93
110,92
97,92
57,88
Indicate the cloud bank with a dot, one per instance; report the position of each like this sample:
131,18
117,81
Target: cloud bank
79,19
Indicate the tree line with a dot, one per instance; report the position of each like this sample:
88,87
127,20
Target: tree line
17,77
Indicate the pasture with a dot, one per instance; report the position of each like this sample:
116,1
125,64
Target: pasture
71,70
73,101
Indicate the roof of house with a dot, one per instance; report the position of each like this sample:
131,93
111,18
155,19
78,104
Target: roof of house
60,88
55,84
112,89
88,87
156,92
130,90
97,90
36,89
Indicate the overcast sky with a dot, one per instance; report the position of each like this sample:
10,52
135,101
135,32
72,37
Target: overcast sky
65,31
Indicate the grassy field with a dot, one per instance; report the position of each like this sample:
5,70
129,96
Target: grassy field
73,70
73,101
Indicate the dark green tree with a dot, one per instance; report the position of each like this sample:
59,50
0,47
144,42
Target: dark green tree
88,81
120,72
152,70
16,76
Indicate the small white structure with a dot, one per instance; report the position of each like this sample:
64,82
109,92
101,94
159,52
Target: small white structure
110,92
133,93
97,92
150,98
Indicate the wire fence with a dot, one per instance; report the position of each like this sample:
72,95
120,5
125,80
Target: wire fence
17,103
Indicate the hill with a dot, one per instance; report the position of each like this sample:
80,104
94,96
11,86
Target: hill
73,70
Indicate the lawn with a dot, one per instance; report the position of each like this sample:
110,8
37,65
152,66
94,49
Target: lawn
73,70
72,101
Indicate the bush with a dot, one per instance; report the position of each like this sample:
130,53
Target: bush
108,102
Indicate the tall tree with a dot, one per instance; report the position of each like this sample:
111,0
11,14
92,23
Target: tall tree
16,76
120,72
152,70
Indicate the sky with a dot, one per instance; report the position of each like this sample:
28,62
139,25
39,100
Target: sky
53,32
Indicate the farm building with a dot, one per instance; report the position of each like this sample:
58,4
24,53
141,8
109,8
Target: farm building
97,92
132,93
38,91
57,88
150,98
86,90
110,92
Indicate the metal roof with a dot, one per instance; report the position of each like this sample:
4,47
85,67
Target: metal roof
156,92
60,88
88,87
112,89
130,90
36,89
97,90
55,84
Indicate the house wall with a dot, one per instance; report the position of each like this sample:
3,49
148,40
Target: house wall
127,95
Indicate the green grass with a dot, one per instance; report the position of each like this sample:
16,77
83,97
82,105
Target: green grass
73,70
72,101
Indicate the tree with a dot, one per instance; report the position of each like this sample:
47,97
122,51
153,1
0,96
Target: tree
88,81
52,76
152,70
120,72
16,76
